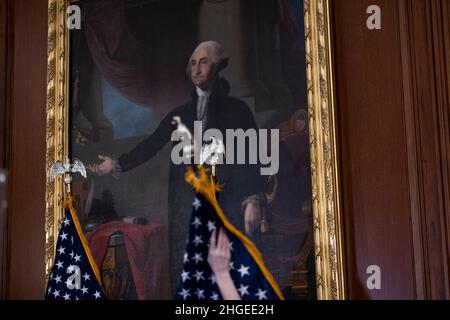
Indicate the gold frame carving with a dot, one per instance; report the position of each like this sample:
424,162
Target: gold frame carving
328,238
57,131
328,227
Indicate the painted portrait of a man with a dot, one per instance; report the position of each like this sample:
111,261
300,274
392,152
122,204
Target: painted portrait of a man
223,65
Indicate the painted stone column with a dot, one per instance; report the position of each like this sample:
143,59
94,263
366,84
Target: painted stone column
223,21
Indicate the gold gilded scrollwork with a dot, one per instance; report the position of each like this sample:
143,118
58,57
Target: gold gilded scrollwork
324,157
57,120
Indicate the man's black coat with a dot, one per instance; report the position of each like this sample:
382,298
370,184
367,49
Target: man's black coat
239,181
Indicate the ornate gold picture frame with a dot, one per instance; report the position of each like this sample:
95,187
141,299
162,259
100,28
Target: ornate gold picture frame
327,220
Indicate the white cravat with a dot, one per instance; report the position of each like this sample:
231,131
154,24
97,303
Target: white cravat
202,103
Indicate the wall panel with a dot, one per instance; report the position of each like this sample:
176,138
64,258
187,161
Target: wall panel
27,157
373,150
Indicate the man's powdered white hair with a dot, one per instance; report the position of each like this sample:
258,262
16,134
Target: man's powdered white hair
217,54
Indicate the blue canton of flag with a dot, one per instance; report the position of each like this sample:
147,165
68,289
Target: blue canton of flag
74,275
251,278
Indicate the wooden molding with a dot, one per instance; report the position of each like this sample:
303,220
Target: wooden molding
6,40
424,35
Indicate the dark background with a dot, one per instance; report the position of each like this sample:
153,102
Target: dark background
393,119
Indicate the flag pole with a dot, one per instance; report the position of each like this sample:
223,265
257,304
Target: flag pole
214,178
210,151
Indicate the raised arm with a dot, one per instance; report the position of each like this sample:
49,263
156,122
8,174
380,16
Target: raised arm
219,256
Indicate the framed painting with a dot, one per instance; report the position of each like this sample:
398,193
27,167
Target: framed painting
120,72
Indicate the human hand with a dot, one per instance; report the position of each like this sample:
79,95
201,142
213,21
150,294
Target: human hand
103,168
219,257
219,253
252,217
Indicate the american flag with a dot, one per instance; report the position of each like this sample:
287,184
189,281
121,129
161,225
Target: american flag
251,278
72,276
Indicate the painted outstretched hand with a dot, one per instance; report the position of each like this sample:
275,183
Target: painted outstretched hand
103,168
